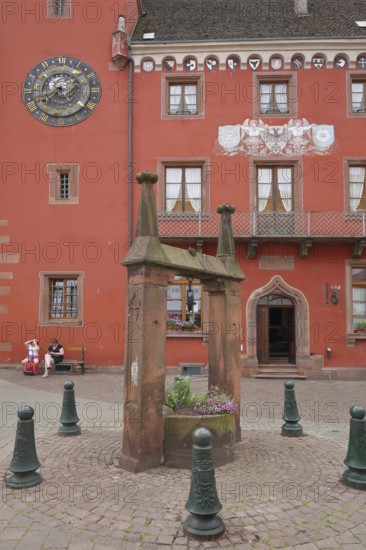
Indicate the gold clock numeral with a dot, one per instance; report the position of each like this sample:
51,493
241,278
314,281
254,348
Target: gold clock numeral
78,117
90,75
44,118
61,121
44,64
90,105
31,106
95,90
62,59
26,91
78,64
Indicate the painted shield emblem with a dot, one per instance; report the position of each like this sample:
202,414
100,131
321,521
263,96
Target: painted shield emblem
254,63
340,62
361,62
190,64
275,138
318,62
323,135
276,63
211,64
229,136
148,66
297,62
169,64
233,63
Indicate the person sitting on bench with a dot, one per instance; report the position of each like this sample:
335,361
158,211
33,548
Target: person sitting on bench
55,354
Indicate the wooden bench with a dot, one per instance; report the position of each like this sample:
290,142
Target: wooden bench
67,364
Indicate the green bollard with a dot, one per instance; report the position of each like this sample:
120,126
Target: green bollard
25,461
355,476
203,502
69,416
291,416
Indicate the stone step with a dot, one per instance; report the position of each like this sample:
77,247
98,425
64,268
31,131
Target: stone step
279,371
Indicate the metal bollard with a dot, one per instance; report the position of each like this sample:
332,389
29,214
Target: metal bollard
203,502
355,476
25,461
69,416
291,416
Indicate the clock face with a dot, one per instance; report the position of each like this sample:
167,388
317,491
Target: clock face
61,91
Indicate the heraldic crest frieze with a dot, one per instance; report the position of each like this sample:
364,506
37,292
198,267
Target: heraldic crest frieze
254,137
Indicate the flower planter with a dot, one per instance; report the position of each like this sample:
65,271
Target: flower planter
178,430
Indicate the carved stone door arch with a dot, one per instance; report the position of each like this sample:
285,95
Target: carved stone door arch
277,286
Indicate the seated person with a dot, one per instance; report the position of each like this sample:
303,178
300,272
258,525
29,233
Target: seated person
55,354
33,351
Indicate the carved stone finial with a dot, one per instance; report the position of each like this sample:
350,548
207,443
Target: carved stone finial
226,207
147,176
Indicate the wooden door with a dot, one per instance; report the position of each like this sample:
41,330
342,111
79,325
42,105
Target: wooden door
262,334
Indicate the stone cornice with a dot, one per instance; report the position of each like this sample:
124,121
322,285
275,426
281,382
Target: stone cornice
265,49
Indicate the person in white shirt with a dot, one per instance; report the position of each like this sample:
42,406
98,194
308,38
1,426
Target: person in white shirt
33,351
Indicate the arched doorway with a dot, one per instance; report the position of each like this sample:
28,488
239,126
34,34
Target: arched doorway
297,317
276,330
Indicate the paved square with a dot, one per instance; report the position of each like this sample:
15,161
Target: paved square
279,493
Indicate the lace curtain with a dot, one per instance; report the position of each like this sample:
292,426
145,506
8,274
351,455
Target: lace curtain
173,187
357,184
357,97
194,188
284,179
264,187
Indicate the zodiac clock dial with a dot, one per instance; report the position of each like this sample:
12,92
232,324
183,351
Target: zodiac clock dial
61,91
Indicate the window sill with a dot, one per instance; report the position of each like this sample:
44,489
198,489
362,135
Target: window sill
353,336
184,334
62,323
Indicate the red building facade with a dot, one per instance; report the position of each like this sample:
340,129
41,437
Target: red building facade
261,105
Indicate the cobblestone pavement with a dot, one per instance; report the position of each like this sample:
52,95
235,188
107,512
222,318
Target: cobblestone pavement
279,493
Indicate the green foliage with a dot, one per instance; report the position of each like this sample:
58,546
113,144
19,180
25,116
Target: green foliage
360,324
212,403
180,393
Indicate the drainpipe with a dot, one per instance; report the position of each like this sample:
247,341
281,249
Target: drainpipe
130,154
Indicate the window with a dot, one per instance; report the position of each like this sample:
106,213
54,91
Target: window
61,298
275,188
358,295
178,316
357,191
183,189
182,99
273,98
63,183
358,96
275,94
356,93
183,186
57,9
182,96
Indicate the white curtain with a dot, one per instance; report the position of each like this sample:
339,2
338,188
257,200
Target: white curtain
357,97
265,97
175,99
194,187
281,97
190,93
57,293
264,187
173,187
357,184
71,298
284,177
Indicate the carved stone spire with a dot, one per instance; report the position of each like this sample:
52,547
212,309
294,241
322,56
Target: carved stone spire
147,220
226,246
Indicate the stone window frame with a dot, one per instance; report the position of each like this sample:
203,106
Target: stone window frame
44,297
52,12
296,162
289,78
54,170
197,79
352,76
176,162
